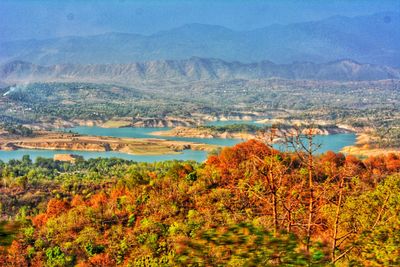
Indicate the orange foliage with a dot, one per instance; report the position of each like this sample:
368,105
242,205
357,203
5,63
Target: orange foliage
83,264
230,160
383,164
98,200
102,259
15,255
77,200
352,160
245,183
39,220
331,157
152,175
38,261
117,193
56,207
244,151
393,162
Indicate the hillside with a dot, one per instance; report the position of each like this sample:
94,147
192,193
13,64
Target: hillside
158,103
194,69
247,206
372,38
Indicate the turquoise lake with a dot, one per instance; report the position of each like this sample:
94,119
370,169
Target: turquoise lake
329,142
186,155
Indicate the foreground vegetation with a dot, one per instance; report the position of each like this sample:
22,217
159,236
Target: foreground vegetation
249,205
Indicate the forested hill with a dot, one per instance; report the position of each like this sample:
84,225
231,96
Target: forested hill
194,69
372,38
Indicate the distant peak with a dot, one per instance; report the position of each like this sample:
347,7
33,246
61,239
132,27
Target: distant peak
196,28
18,62
202,26
345,61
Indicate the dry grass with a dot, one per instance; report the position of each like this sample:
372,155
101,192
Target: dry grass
116,124
363,147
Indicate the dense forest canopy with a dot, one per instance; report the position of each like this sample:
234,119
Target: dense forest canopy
249,205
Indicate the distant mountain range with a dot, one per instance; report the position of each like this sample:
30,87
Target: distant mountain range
193,69
373,38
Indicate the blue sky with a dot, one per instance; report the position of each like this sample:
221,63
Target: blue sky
23,19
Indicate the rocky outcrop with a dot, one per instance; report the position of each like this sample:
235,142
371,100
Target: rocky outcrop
205,133
161,122
200,132
64,145
243,116
8,147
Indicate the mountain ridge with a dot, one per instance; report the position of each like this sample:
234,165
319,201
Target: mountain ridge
195,69
371,38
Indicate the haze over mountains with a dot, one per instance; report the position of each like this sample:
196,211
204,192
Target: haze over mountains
193,69
372,39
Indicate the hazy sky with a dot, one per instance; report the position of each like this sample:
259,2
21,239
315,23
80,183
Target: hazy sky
23,19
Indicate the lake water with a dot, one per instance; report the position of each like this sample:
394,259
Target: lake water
185,155
334,142
329,142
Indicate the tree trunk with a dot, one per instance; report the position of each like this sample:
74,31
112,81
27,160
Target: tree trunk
336,224
311,189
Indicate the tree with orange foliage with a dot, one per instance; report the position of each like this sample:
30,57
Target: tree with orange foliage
16,255
77,200
56,206
393,162
101,260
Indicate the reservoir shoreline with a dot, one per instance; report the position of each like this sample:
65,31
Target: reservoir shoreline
136,144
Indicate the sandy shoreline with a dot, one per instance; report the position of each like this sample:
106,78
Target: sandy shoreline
362,147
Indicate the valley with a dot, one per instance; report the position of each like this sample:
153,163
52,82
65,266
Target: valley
199,133
335,107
